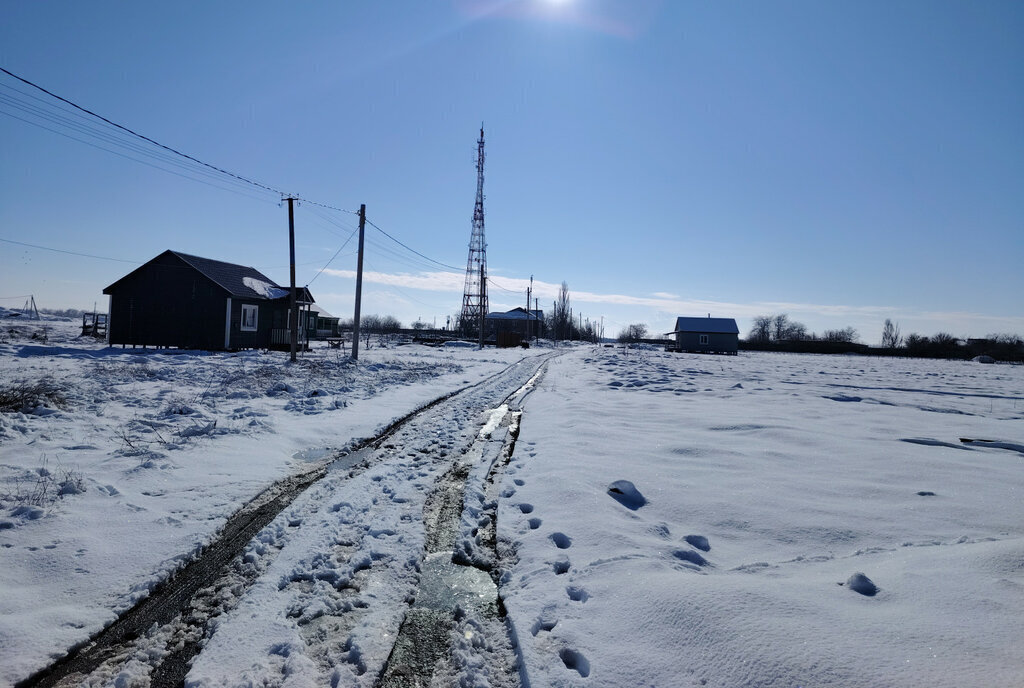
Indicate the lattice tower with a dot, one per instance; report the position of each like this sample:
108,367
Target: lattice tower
474,297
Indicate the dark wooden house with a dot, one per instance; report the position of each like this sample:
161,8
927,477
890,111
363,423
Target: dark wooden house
188,302
518,320
706,335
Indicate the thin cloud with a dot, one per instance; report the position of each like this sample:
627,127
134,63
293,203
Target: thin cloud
663,302
427,281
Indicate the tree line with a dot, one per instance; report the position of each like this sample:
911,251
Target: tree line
779,332
779,328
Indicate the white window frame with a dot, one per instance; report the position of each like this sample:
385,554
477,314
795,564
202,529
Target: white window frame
704,339
248,309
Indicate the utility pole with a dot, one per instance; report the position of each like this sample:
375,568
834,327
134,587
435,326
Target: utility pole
359,284
293,307
529,318
536,331
483,302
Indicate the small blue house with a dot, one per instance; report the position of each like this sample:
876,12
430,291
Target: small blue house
706,335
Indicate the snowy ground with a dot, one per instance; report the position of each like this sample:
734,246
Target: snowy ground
155,449
664,519
766,482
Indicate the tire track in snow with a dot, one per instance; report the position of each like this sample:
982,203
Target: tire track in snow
216,569
457,610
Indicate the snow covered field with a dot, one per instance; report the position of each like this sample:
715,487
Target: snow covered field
766,482
664,520
156,450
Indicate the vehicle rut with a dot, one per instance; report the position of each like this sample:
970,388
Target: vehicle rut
172,598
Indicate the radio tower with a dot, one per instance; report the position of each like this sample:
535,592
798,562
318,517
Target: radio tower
474,298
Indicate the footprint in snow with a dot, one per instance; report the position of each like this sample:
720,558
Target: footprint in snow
626,494
561,540
526,508
689,556
577,594
698,541
561,566
576,661
534,523
542,625
858,582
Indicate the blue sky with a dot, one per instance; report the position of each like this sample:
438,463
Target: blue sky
841,162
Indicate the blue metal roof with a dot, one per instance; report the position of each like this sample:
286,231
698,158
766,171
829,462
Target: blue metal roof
707,325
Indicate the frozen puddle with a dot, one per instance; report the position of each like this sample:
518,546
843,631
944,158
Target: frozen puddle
446,586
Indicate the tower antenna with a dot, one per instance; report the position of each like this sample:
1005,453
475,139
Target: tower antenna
474,297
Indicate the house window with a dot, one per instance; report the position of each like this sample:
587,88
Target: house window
249,320
703,339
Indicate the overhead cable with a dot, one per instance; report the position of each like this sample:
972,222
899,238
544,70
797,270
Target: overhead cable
333,257
167,148
407,248
72,253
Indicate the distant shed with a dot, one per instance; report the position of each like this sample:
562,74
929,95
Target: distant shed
706,335
183,301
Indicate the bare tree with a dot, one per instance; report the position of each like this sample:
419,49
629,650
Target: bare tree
561,317
891,338
390,324
797,332
762,329
847,335
916,343
782,328
633,333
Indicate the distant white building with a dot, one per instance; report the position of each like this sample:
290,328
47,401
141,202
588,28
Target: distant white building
706,335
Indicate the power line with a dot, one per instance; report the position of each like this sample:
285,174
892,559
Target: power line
405,293
60,117
407,248
141,136
398,256
128,157
162,146
333,257
490,280
72,253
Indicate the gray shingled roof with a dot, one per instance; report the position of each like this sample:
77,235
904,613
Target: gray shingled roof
229,276
707,325
233,278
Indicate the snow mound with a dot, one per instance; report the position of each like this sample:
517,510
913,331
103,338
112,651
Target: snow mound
264,289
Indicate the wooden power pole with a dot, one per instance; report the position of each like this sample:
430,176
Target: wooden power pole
293,307
359,284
